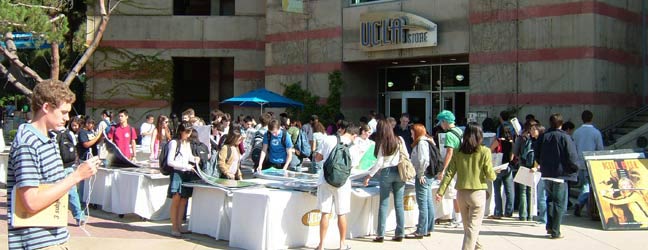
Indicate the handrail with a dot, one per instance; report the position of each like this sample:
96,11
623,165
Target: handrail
624,119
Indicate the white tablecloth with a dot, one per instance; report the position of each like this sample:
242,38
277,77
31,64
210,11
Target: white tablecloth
274,219
4,166
211,210
124,192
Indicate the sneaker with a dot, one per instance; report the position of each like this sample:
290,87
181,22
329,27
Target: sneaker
577,210
414,236
556,237
81,222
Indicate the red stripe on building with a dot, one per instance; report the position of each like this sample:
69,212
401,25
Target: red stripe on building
301,68
302,35
557,54
146,44
249,75
562,9
130,103
562,98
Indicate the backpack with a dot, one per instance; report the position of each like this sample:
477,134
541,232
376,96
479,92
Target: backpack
165,169
527,156
303,145
66,146
201,150
337,166
436,163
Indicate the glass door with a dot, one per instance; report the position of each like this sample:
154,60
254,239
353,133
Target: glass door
417,104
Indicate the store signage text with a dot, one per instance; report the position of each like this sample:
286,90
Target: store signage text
396,30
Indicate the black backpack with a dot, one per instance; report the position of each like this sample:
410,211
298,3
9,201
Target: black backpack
165,169
67,149
436,163
337,166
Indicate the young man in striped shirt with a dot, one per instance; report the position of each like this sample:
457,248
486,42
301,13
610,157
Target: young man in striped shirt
34,159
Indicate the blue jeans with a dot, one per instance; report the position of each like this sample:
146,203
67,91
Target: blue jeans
542,203
390,182
295,163
75,204
556,205
506,179
583,178
316,167
524,209
425,206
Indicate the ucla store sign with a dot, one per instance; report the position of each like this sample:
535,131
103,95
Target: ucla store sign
396,30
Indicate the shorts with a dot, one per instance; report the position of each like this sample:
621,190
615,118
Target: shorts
451,192
328,195
175,183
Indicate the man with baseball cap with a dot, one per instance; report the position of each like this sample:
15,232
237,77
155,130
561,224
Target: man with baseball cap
452,142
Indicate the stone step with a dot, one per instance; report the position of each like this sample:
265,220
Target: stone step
634,124
624,130
640,118
616,136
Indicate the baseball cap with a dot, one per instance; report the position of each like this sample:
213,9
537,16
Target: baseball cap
445,115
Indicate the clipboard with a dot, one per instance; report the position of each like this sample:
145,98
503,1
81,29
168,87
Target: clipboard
55,215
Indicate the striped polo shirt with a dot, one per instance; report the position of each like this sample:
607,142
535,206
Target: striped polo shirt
34,159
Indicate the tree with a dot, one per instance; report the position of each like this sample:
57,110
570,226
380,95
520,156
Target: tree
47,20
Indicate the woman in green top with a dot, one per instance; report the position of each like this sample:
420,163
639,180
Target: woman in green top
473,166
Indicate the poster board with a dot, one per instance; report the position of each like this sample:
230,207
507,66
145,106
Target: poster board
620,184
54,215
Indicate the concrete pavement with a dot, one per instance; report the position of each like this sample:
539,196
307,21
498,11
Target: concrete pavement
108,231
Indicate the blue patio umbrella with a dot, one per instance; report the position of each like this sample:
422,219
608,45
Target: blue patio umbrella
263,98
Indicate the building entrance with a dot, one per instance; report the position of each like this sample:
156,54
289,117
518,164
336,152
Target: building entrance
417,104
424,90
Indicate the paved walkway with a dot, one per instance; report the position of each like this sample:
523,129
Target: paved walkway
108,231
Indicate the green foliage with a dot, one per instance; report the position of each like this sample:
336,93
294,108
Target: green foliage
149,77
326,112
12,134
294,91
11,99
14,17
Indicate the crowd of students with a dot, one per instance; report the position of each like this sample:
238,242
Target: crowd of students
464,171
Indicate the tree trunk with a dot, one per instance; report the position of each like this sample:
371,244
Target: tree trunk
92,47
14,81
56,57
10,53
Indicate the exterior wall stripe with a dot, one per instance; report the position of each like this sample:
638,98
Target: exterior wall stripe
293,69
125,102
562,9
302,35
562,98
146,44
555,54
119,74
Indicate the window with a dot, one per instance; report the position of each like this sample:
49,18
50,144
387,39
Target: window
408,79
203,7
192,7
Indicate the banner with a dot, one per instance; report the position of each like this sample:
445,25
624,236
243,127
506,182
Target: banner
294,6
621,191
